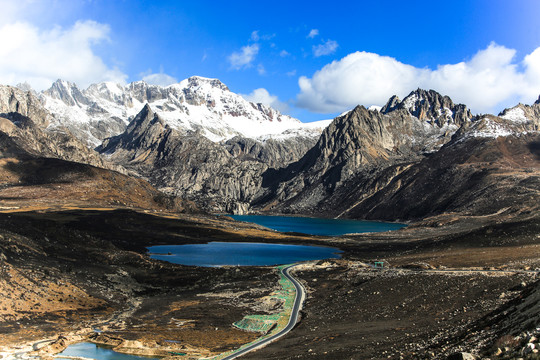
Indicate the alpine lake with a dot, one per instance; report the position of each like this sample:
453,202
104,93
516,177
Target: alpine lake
267,254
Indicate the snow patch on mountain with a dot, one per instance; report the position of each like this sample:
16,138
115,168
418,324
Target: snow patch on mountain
489,128
515,114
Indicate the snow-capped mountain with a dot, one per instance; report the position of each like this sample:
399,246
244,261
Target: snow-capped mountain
196,104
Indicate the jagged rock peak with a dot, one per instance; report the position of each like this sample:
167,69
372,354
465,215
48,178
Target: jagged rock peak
66,91
391,105
537,102
146,111
145,118
429,105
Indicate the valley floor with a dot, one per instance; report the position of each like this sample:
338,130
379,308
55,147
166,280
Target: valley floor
449,284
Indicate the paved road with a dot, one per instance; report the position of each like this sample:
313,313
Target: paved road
298,300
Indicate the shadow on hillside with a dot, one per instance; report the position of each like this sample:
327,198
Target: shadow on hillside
534,148
42,171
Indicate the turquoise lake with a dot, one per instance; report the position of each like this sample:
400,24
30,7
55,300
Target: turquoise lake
240,254
92,351
318,226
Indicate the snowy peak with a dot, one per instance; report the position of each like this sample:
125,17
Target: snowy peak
525,114
67,92
107,90
430,106
197,104
196,82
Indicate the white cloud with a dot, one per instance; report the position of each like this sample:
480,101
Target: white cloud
39,57
325,48
244,57
255,35
284,53
159,79
291,73
489,79
262,96
260,69
313,33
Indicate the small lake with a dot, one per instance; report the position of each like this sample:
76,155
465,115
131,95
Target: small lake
318,226
238,253
93,351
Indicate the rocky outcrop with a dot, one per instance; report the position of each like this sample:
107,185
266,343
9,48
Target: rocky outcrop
275,153
14,100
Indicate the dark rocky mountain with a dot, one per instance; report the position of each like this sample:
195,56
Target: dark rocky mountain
366,164
413,159
185,164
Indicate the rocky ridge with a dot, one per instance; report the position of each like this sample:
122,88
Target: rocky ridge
366,163
24,120
523,113
422,153
196,104
185,164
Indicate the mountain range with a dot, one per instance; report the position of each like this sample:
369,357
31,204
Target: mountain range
196,104
198,141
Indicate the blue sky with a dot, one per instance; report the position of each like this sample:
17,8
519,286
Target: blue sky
311,59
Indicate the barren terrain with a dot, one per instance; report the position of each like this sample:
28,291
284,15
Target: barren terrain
74,271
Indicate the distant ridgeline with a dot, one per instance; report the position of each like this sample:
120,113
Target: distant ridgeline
198,141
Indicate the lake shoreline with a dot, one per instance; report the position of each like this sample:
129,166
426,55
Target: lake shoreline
216,253
318,226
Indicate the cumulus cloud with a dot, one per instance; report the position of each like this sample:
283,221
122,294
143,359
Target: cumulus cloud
262,96
284,53
490,78
313,33
159,79
326,48
39,57
244,57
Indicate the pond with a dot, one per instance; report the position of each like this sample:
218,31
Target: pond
93,351
240,254
318,226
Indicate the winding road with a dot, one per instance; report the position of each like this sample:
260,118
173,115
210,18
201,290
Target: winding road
298,300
